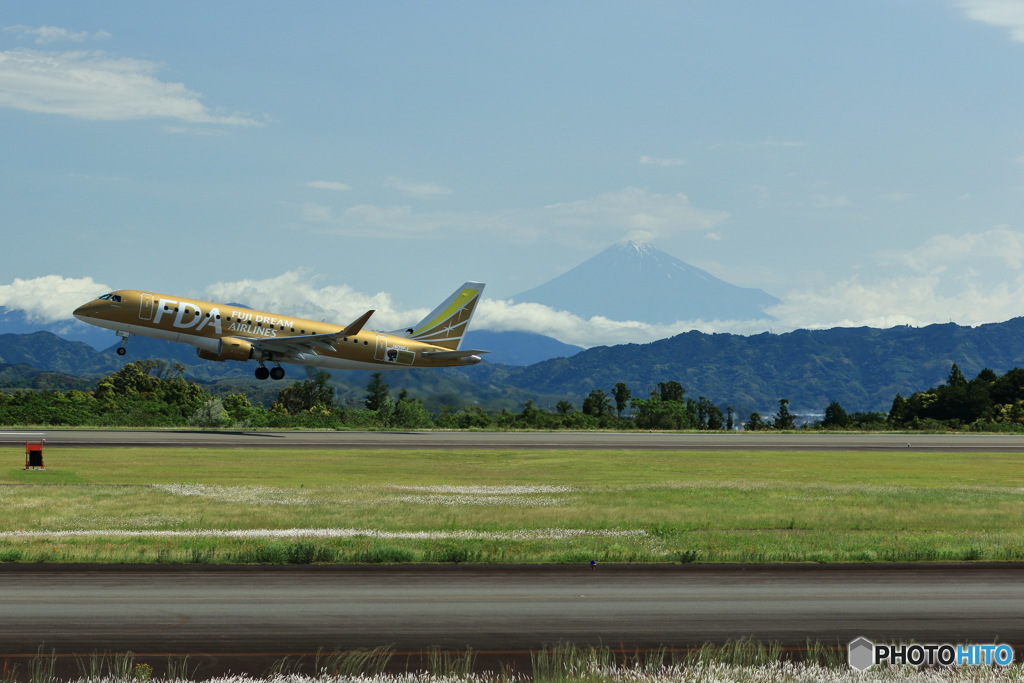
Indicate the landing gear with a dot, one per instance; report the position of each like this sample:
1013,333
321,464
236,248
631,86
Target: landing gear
123,349
263,372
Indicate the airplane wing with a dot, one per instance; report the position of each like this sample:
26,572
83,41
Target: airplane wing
462,353
309,343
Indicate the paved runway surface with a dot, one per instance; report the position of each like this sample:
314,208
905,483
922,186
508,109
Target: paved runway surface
224,617
58,438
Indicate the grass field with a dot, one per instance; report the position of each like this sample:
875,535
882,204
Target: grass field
215,506
735,662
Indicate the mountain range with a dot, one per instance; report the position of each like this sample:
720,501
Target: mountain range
635,281
862,368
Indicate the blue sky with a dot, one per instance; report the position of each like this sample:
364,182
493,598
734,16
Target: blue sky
863,161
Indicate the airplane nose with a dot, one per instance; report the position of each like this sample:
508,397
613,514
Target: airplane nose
82,310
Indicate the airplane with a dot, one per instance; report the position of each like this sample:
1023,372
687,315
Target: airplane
231,332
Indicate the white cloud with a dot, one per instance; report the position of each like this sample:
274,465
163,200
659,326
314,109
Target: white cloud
45,35
47,299
643,214
100,86
968,279
661,161
974,251
418,189
908,300
1005,13
329,185
501,315
632,213
295,293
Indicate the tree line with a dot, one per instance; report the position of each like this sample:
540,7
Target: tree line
155,393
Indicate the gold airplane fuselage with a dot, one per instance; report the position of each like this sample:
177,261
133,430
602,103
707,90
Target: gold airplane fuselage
225,332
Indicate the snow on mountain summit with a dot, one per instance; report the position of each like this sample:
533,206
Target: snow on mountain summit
637,281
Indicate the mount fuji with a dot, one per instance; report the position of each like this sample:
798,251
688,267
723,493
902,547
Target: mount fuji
635,281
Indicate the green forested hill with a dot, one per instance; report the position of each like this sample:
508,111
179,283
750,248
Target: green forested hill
862,368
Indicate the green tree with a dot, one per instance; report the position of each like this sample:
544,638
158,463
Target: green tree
532,416
715,419
597,404
835,417
784,419
899,413
148,393
671,391
410,414
240,411
653,413
709,416
376,392
385,412
956,378
210,415
473,417
299,397
622,394
756,424
987,375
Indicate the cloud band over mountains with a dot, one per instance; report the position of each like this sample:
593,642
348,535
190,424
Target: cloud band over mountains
949,278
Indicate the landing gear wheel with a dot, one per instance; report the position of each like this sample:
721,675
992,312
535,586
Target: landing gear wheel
262,373
121,350
277,373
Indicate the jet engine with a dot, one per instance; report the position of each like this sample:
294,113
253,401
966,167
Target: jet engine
229,348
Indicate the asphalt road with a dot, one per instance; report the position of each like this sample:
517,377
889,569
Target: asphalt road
241,618
57,438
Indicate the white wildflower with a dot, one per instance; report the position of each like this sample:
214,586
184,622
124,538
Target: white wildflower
262,495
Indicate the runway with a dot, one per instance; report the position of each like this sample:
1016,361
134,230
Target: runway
244,618
224,617
68,438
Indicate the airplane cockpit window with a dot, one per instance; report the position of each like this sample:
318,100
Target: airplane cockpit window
105,297
115,298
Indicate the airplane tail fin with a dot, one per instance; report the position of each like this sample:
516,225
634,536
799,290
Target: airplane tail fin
446,325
